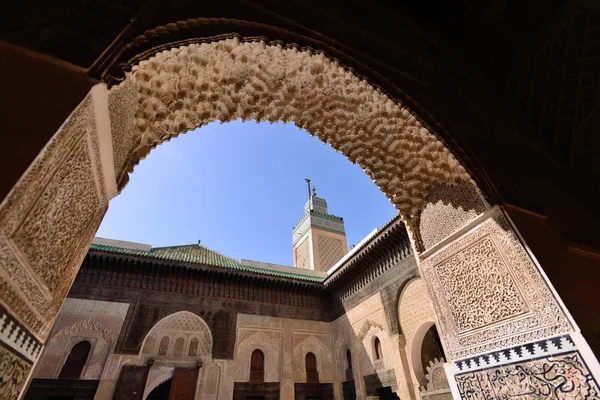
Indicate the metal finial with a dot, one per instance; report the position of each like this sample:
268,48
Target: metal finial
308,183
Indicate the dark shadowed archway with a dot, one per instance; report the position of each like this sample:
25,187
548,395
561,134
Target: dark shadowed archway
486,289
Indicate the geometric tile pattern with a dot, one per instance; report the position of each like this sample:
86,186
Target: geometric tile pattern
541,348
14,335
330,251
303,255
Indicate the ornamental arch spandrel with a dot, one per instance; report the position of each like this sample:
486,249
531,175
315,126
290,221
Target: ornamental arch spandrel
470,255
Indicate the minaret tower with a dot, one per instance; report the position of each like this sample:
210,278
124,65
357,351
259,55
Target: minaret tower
319,239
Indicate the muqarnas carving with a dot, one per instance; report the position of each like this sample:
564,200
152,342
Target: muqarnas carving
187,87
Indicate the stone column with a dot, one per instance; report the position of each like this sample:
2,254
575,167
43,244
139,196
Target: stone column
47,222
504,329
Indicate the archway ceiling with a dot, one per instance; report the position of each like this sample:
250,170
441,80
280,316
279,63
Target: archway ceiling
464,62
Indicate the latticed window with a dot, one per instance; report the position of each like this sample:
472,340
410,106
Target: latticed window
349,374
257,366
163,347
76,361
312,375
193,347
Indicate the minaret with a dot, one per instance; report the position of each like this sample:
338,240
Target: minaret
319,239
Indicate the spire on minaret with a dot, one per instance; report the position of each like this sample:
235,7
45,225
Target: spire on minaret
319,239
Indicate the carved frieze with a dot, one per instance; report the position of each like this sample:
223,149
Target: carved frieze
547,369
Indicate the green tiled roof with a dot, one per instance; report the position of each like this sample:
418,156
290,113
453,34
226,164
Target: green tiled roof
198,254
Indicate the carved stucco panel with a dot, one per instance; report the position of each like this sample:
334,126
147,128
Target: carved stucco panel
49,218
211,383
522,306
100,331
479,271
269,342
320,346
180,328
122,106
367,346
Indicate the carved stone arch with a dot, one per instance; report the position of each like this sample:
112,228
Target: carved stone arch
322,351
183,88
269,342
88,324
180,324
366,327
61,343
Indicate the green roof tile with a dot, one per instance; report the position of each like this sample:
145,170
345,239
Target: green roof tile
198,254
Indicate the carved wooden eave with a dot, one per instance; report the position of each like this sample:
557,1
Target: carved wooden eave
392,241
215,272
385,243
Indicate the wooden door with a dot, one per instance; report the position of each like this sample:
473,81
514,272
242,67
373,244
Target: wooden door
184,384
132,382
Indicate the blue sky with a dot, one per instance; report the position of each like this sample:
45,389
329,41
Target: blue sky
239,188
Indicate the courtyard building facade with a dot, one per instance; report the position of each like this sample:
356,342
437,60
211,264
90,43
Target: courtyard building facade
186,322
